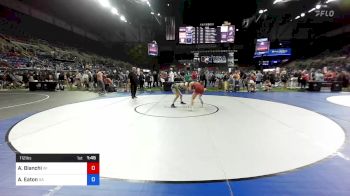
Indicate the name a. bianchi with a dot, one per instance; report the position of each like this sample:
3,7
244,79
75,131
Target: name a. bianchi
29,168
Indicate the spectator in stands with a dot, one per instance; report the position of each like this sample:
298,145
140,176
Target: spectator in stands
188,77
85,79
26,80
231,81
141,80
108,83
225,81
330,75
31,78
312,74
155,79
148,80
237,78
219,76
267,85
61,80
299,75
252,82
100,82
304,78
71,79
163,78
318,76
78,77
272,77
343,77
126,81
284,78
91,80
244,81
95,79
171,76
259,77
294,80
194,76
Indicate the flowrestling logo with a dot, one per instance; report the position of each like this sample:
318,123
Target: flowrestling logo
325,13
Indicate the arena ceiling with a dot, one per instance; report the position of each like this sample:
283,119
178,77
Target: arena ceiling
93,17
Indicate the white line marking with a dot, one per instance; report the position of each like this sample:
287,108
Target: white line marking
339,154
53,191
23,104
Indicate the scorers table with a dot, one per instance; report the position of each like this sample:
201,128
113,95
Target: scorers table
57,169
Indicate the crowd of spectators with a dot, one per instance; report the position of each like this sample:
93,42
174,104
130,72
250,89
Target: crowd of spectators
236,80
23,61
253,80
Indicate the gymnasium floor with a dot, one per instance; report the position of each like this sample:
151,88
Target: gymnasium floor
237,144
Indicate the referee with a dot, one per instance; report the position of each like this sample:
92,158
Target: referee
133,82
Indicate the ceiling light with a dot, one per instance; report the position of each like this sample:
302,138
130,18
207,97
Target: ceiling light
152,13
318,6
114,11
302,14
158,14
313,9
277,1
105,3
261,11
328,1
296,18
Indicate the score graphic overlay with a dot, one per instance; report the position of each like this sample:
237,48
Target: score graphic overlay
57,169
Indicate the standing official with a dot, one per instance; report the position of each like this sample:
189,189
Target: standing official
133,82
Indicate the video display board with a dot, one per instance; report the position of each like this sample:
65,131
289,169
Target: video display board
207,34
213,59
262,45
153,49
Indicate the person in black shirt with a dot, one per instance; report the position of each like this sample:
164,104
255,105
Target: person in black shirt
133,82
61,81
148,80
142,80
155,79
203,78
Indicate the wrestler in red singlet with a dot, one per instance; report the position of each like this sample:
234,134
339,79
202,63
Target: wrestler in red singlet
198,88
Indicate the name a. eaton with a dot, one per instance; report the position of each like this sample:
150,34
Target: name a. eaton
26,179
